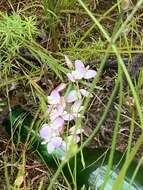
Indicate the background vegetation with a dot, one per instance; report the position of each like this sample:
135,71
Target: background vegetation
34,37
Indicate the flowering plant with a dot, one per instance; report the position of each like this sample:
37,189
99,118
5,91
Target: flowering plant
64,107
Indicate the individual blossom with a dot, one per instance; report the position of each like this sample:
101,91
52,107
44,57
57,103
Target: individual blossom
50,137
55,97
81,72
46,132
51,129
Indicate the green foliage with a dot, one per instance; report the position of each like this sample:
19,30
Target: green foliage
97,40
14,30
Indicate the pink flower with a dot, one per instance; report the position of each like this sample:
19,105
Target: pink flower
71,77
55,111
54,97
65,108
50,135
55,143
81,72
57,125
45,132
52,129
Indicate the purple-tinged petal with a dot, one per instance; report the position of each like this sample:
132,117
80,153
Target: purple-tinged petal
89,74
58,125
54,97
60,87
50,147
79,69
71,77
72,96
58,122
79,66
56,141
56,112
77,75
45,132
50,108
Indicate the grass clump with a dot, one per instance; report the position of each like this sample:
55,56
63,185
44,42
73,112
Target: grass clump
14,30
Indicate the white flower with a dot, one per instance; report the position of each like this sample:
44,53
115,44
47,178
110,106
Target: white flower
81,72
50,134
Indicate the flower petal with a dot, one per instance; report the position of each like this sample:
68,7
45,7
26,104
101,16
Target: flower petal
57,125
56,141
50,147
56,112
89,74
79,69
54,97
60,87
76,107
79,66
58,122
77,75
84,92
72,96
45,132
70,77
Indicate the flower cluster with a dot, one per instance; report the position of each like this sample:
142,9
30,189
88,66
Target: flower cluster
64,107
